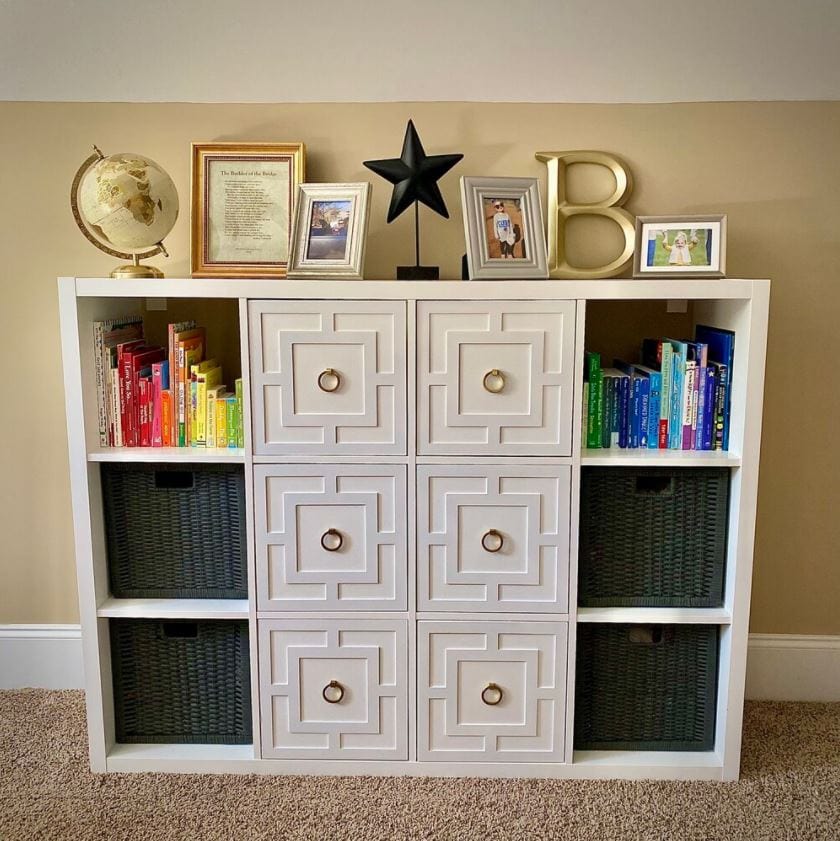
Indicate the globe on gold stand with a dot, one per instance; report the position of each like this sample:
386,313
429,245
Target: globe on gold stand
125,204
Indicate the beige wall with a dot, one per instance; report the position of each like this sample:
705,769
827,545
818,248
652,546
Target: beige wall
770,166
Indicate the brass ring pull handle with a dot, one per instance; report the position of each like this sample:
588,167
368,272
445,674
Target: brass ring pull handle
332,540
329,380
492,541
494,381
492,694
333,692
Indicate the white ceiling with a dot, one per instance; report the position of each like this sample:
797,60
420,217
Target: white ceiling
375,50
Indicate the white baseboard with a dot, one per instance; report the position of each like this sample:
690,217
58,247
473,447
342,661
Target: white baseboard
41,656
793,667
780,667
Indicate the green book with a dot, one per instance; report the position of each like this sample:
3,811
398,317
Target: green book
240,426
230,420
596,400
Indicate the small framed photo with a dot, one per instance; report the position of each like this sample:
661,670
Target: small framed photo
685,246
504,228
242,207
329,232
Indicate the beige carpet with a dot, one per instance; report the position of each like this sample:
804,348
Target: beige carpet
790,789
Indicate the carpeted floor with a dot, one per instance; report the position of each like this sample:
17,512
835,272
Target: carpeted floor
790,789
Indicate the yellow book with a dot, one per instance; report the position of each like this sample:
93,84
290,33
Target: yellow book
199,368
203,381
221,419
212,397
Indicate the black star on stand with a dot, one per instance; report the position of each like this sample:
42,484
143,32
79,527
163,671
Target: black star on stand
414,175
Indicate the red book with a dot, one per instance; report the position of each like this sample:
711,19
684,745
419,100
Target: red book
133,362
123,351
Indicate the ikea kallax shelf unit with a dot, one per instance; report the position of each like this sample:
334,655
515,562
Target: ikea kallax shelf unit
383,472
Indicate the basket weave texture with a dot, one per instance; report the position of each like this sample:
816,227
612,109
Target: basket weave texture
175,531
652,537
646,687
181,681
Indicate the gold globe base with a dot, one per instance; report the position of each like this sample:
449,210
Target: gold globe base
131,271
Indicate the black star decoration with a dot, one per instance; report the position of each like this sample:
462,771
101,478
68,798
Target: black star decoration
414,175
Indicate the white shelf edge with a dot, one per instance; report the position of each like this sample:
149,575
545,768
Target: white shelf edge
657,615
205,753
661,458
166,455
647,759
173,609
453,289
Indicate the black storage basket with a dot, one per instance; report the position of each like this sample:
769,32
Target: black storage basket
181,681
175,531
646,687
652,537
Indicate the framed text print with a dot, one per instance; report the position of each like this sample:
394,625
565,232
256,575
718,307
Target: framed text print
243,198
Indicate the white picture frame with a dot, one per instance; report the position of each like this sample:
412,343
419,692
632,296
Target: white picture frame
706,232
495,249
329,231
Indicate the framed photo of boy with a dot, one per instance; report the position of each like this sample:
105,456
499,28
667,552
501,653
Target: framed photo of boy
684,246
242,207
329,231
504,228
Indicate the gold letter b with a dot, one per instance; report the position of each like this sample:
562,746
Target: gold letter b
559,210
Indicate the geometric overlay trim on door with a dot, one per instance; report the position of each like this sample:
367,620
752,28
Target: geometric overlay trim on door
333,688
493,538
330,537
495,377
328,377
491,691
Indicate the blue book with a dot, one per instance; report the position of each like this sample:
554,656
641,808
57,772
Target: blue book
675,416
654,378
623,399
706,410
719,411
639,390
721,349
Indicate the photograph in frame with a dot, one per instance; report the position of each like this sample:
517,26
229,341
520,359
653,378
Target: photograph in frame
329,231
688,246
503,228
242,207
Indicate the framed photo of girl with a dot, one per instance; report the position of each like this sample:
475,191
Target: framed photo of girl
329,231
242,207
684,246
504,228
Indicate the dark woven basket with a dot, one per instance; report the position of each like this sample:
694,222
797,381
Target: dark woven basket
652,537
175,531
181,681
646,687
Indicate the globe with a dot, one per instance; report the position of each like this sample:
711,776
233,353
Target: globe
125,204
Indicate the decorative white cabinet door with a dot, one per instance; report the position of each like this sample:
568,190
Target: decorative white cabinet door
495,378
328,377
493,538
491,691
333,689
330,537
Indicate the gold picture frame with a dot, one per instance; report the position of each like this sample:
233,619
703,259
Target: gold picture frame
243,197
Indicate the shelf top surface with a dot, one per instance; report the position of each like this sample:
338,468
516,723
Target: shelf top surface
607,289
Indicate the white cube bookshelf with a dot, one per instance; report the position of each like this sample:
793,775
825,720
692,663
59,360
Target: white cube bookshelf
739,305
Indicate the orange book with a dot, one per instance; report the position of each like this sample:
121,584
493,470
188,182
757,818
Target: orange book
166,416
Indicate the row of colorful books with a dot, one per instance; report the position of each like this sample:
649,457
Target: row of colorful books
152,396
677,397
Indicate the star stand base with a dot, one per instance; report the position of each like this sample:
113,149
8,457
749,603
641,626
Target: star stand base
418,272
